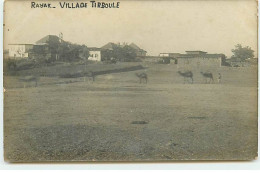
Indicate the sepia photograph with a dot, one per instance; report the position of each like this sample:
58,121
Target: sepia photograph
130,81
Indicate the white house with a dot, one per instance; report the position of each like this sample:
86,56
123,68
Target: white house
94,54
173,55
19,50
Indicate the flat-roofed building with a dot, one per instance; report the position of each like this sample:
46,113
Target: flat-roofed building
18,51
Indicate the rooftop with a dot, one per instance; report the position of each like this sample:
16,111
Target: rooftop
201,55
195,52
109,46
48,38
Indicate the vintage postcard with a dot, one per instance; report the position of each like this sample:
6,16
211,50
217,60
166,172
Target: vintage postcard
130,80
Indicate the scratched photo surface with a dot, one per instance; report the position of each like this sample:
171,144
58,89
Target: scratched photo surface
130,80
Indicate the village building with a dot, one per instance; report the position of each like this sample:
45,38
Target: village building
47,46
109,46
169,57
94,54
139,52
151,59
199,59
172,55
196,52
18,51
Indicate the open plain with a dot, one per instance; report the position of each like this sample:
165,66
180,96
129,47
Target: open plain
115,118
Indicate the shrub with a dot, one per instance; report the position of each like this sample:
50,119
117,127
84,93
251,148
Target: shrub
72,75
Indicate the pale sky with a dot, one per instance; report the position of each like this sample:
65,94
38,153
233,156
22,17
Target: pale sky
156,26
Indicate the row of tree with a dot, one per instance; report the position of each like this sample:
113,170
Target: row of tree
69,52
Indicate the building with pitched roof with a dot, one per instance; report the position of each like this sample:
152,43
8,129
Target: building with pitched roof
109,46
48,46
138,50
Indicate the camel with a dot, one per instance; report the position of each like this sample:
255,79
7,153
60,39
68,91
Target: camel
186,75
142,76
208,75
27,79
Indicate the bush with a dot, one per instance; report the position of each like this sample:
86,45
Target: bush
72,75
25,64
10,64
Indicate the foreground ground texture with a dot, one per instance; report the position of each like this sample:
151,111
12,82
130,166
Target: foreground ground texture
117,119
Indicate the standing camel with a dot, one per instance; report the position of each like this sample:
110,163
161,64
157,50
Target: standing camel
208,75
186,76
142,77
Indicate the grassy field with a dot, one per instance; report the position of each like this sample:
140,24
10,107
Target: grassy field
73,119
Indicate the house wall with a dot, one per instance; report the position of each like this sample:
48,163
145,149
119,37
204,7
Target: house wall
141,53
198,62
94,55
41,51
173,55
19,51
153,59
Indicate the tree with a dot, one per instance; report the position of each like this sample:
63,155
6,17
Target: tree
107,55
130,53
85,52
69,52
242,53
125,53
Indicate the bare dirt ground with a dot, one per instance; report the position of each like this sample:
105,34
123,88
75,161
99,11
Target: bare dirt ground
117,119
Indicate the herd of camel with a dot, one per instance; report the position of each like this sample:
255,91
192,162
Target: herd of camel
187,76
208,76
143,77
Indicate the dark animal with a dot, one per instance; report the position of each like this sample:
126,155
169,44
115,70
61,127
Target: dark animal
186,76
142,77
208,75
27,79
